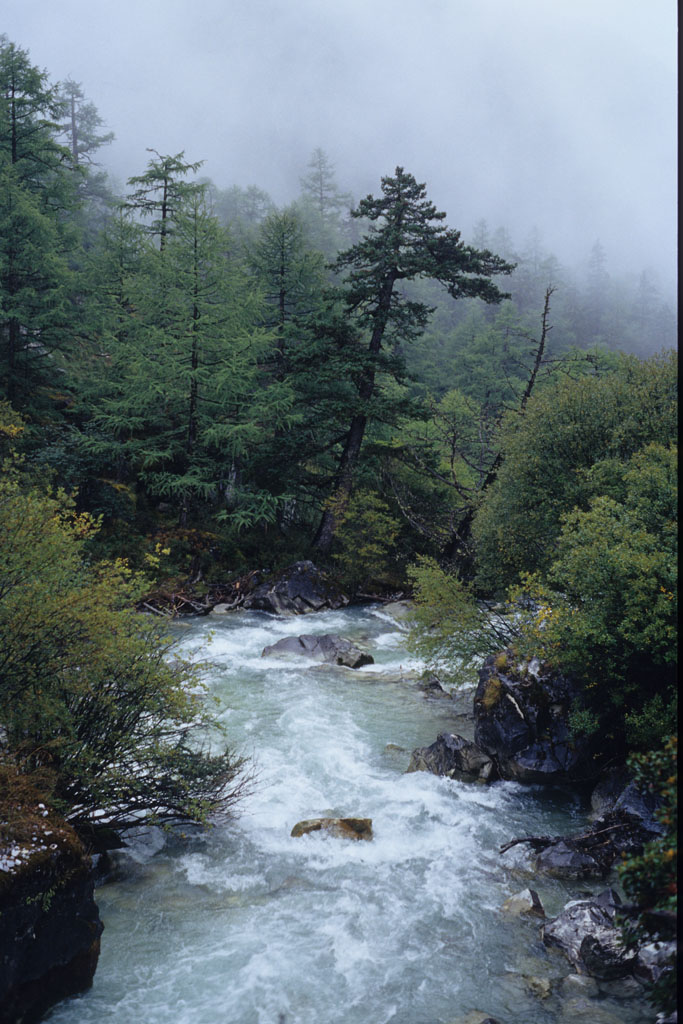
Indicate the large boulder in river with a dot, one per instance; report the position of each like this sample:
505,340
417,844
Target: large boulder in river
333,650
455,757
299,589
521,722
49,923
340,828
586,933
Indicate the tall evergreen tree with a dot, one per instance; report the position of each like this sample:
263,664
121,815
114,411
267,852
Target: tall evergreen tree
82,123
183,407
323,203
37,197
161,191
291,276
406,241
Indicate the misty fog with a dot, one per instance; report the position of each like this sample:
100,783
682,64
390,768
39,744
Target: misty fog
559,117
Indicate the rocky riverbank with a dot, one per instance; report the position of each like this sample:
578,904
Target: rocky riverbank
49,923
520,714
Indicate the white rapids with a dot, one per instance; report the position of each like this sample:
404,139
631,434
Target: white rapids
246,925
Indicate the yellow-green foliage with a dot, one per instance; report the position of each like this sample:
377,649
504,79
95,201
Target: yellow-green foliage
449,630
366,532
89,697
493,693
501,661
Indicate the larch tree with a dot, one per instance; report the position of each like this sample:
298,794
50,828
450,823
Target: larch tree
82,124
37,199
291,275
183,404
159,193
406,241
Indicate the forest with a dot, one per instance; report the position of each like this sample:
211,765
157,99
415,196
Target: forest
198,383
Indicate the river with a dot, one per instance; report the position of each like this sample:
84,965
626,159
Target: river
247,925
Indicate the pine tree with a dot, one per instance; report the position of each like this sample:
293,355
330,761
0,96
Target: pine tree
406,241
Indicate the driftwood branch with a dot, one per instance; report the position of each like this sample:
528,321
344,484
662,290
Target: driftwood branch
157,611
540,842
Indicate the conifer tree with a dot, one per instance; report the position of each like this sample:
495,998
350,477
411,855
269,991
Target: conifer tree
161,191
406,241
37,198
184,405
291,276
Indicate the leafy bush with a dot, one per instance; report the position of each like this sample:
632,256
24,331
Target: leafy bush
449,629
91,699
568,448
606,610
650,878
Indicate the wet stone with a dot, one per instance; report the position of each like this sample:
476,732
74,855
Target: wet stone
340,828
526,902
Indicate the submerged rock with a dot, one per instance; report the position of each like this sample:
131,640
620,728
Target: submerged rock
455,757
49,924
399,610
525,903
341,828
521,716
299,589
331,649
586,933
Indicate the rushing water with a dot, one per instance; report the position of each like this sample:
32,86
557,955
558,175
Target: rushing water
246,925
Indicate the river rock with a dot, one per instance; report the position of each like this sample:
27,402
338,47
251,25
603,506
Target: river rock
455,757
539,987
341,828
611,784
475,1017
653,960
576,985
49,924
521,722
566,859
399,610
527,903
299,589
586,934
331,649
431,686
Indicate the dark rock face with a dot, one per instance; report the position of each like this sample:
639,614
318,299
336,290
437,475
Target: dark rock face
566,859
611,784
592,853
333,650
296,590
50,934
521,716
341,828
586,934
455,757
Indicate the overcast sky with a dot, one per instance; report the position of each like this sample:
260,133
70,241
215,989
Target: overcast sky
555,114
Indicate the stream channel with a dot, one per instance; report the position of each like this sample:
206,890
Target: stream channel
246,925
